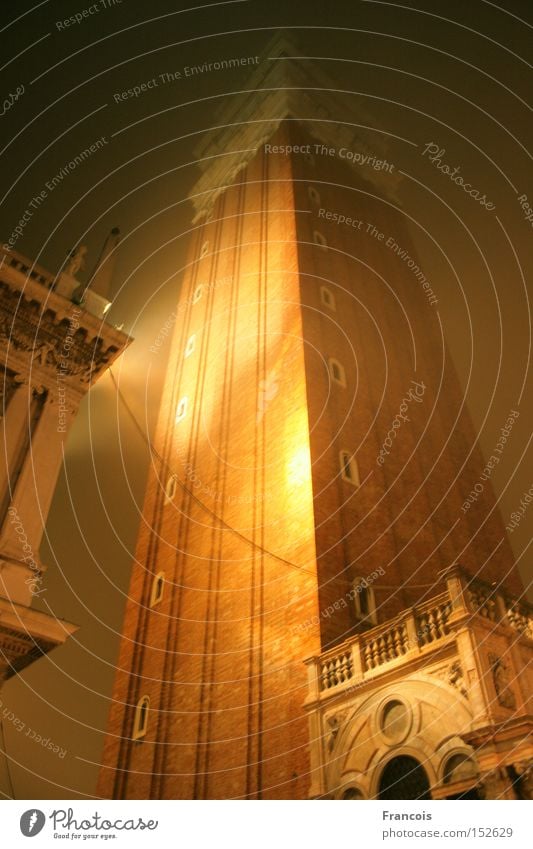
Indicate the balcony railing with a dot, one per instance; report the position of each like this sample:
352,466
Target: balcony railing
497,606
416,631
62,285
12,259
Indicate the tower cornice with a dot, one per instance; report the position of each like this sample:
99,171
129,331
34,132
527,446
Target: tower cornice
36,325
285,86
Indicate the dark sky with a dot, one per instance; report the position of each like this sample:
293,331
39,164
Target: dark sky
454,74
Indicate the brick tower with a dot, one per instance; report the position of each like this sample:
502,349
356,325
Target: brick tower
290,514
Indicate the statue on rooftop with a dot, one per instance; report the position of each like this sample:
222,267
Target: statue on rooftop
76,260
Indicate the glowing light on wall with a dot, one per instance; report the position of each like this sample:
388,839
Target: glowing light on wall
299,467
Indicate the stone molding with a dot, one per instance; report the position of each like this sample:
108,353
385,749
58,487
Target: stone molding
284,89
45,338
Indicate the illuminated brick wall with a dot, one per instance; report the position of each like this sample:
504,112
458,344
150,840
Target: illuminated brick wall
225,641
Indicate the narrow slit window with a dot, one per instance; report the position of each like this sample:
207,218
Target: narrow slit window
320,240
197,294
158,587
170,489
364,605
328,298
181,410
190,346
336,370
349,468
364,601
314,196
204,250
140,722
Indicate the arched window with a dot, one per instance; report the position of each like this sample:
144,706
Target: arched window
181,409
349,468
189,347
364,601
313,195
197,294
460,767
328,298
320,239
140,721
158,586
337,373
170,489
204,250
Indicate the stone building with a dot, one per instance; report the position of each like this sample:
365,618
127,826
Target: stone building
433,703
314,453
54,344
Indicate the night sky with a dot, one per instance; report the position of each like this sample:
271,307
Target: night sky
449,74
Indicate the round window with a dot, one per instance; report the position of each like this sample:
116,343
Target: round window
395,721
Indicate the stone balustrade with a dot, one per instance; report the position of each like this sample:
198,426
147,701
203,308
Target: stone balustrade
417,631
14,260
520,618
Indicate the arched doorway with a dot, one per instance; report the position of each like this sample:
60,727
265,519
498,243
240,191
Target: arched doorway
404,778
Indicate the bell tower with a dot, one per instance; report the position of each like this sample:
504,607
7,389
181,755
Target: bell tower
314,455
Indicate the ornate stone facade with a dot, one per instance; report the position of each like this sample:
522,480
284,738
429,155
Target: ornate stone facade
433,697
52,349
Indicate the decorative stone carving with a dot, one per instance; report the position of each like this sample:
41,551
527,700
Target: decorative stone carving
8,386
525,773
453,675
456,679
335,722
76,260
520,618
46,340
496,784
500,677
20,649
438,672
482,602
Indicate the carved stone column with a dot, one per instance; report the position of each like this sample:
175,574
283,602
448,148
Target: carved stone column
524,770
56,350
470,667
36,482
14,428
497,784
